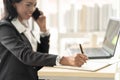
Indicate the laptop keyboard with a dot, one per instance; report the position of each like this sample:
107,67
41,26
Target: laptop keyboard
95,52
92,52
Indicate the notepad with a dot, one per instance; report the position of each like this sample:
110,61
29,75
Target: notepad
89,66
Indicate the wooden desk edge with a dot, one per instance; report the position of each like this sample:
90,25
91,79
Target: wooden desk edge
57,72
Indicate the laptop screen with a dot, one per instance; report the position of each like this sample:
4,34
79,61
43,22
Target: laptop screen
111,37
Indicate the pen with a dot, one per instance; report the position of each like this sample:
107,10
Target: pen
81,49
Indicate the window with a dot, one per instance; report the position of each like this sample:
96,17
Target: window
76,16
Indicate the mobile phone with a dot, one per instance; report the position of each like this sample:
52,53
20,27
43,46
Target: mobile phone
37,13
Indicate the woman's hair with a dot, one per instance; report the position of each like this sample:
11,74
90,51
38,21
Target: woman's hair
10,11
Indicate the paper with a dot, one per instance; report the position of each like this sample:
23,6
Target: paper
89,66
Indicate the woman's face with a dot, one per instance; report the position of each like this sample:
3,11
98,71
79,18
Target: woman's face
25,8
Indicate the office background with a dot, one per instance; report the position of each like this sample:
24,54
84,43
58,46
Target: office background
76,21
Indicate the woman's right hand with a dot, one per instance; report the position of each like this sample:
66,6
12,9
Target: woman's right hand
74,60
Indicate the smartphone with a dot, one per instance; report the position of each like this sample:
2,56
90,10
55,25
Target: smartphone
37,13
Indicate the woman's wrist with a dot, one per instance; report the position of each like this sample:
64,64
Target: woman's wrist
43,34
43,30
65,61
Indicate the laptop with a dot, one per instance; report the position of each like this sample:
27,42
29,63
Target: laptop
109,43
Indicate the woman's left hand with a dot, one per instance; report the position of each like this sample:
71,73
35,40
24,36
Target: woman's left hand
41,21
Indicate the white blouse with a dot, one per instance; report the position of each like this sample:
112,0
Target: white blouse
32,35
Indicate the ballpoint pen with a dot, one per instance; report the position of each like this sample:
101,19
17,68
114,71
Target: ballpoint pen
81,49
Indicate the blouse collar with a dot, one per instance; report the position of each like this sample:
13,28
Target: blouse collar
18,25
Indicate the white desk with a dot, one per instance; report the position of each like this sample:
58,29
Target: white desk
52,73
107,73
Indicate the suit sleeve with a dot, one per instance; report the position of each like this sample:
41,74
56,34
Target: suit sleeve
44,45
10,40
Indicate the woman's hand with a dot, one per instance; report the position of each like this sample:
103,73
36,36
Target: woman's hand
39,17
41,21
75,60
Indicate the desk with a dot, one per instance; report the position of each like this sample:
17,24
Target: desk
52,73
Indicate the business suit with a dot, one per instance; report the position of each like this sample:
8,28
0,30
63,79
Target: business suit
18,60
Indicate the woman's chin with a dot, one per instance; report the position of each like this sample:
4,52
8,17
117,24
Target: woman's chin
27,18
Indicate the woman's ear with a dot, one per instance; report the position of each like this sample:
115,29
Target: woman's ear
14,5
37,13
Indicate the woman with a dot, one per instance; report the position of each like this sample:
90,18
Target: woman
22,53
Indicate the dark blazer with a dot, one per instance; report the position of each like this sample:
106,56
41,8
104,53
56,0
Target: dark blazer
17,59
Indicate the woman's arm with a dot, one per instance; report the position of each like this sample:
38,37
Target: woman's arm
44,45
